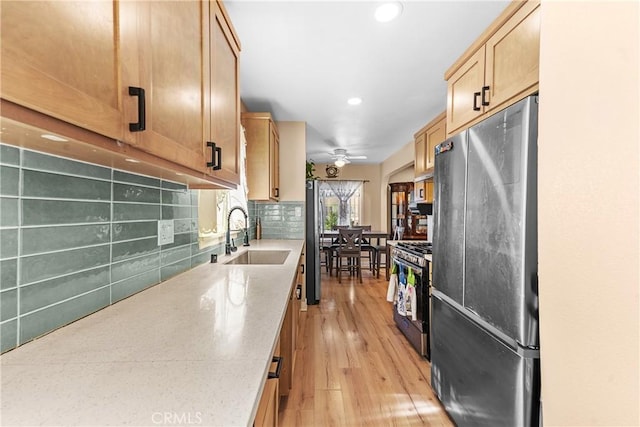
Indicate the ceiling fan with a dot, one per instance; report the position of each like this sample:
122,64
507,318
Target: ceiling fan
341,157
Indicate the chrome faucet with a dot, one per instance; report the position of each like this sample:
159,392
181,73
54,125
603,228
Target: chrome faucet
227,247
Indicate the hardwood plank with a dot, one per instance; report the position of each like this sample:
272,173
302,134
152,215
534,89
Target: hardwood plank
354,367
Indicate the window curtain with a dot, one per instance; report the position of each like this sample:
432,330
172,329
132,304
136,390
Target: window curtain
239,196
343,190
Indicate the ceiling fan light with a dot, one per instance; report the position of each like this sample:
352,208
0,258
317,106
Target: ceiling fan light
388,11
340,163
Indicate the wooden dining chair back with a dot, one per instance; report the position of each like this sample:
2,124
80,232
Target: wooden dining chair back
349,252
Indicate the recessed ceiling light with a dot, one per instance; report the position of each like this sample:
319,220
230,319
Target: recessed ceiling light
53,138
354,101
132,160
388,11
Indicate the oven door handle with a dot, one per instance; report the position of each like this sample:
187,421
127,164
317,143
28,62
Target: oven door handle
416,268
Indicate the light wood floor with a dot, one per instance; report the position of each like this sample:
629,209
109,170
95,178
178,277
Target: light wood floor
354,367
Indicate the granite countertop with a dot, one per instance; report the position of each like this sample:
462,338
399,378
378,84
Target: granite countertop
194,350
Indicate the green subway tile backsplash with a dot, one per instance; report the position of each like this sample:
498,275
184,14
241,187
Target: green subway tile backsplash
133,212
9,180
9,243
8,273
176,197
134,284
8,212
42,294
134,230
134,248
176,212
284,220
76,237
8,335
9,155
45,162
44,212
47,239
40,267
134,266
37,323
135,193
52,185
120,176
8,304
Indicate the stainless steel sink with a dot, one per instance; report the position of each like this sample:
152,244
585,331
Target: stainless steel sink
260,257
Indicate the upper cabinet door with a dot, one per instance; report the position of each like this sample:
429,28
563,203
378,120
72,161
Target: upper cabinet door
223,95
435,135
464,92
61,58
169,67
512,55
420,166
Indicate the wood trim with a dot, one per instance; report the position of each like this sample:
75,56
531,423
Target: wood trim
229,24
22,127
435,120
506,14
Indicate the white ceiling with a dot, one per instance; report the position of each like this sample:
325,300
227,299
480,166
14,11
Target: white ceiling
302,60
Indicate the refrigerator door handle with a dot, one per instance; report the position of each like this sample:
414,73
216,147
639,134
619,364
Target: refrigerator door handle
529,352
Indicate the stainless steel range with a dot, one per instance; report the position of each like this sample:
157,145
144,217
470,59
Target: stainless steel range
410,260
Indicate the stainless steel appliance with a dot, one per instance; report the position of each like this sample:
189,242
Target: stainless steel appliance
313,228
485,364
411,256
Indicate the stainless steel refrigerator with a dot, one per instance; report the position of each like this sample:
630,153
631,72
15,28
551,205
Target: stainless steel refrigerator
313,228
485,363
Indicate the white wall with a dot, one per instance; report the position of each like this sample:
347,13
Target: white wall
589,188
293,144
407,174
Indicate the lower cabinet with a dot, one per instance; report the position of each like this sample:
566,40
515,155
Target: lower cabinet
280,379
267,413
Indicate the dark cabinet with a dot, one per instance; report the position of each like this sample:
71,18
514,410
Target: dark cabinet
400,195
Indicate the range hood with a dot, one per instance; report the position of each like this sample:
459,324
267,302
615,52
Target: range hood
421,208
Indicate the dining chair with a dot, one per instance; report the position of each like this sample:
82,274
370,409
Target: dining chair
368,248
349,250
326,253
380,249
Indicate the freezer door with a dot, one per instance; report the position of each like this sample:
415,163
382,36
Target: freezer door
501,222
479,380
449,197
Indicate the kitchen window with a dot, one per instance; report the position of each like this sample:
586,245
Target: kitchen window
341,203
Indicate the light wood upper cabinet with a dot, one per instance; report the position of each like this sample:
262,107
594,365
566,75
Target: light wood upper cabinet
500,68
426,139
263,156
223,100
464,88
420,166
169,67
87,63
63,59
436,133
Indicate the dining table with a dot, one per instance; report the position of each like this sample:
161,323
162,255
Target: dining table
329,238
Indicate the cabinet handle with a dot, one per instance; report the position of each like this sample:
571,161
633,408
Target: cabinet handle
302,266
276,374
422,193
215,152
276,192
485,89
476,107
140,124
